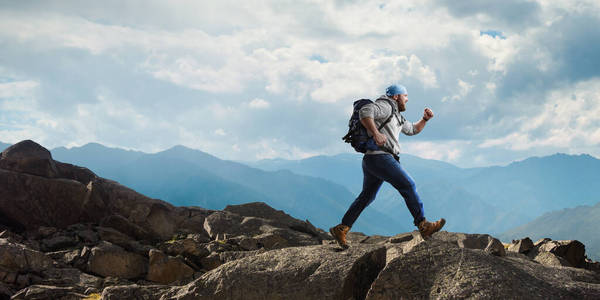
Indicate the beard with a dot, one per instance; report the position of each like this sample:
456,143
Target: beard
401,106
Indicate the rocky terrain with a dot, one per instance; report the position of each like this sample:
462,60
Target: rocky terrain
66,233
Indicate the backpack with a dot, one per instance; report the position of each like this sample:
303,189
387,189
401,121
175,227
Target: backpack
357,134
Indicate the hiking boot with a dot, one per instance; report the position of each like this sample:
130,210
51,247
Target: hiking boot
339,234
426,229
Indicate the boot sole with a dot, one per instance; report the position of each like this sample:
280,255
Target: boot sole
336,239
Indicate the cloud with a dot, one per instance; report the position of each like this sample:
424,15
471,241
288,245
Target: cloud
259,104
216,76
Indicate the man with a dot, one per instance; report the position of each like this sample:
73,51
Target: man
383,164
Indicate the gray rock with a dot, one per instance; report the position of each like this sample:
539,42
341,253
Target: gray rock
437,269
550,259
18,258
44,292
133,292
107,259
571,250
278,218
521,246
472,241
164,269
125,226
311,272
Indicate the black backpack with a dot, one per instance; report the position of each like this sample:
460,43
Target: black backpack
357,134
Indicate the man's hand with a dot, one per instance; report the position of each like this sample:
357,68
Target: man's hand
369,124
427,114
379,138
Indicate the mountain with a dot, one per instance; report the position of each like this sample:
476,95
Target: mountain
539,184
488,199
3,146
580,223
184,176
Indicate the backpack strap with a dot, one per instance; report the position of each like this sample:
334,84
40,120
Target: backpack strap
391,115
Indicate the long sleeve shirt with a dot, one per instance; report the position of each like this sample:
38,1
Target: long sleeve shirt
379,111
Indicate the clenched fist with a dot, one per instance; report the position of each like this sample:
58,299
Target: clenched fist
427,114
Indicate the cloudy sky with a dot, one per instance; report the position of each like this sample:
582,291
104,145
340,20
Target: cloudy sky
247,80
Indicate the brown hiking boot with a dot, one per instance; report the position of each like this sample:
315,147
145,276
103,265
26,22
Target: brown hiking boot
339,234
426,229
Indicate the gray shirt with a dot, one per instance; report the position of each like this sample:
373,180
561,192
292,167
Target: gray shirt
379,111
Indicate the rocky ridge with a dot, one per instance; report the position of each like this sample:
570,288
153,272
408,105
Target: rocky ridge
66,233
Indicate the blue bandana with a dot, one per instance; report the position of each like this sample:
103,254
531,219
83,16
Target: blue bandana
395,89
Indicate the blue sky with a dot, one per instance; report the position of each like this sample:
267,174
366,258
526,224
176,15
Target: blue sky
263,79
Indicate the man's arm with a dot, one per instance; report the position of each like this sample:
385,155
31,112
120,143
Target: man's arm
427,115
369,124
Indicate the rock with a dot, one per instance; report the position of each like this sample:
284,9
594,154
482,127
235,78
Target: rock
472,241
58,243
220,223
114,236
521,246
18,258
125,226
291,273
438,269
133,292
29,157
212,261
571,250
43,292
495,247
107,259
88,236
550,259
279,218
401,238
29,202
188,247
164,269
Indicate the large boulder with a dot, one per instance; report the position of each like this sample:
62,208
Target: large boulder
107,259
29,157
437,269
311,272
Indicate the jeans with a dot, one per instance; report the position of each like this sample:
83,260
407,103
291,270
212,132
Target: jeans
378,168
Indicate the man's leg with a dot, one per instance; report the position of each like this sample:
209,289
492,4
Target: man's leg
371,185
387,168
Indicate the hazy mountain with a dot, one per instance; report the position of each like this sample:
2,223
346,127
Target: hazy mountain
538,184
580,223
3,146
185,176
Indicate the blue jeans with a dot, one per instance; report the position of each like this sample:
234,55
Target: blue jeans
378,168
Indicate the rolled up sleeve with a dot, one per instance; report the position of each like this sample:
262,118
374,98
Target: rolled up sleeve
408,128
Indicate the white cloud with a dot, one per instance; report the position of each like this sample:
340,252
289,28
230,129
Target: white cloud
220,132
258,103
463,88
568,119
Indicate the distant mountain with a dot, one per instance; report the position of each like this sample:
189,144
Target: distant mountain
3,146
580,223
489,199
539,184
185,176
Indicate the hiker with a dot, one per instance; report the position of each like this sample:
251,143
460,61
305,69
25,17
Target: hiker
382,163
